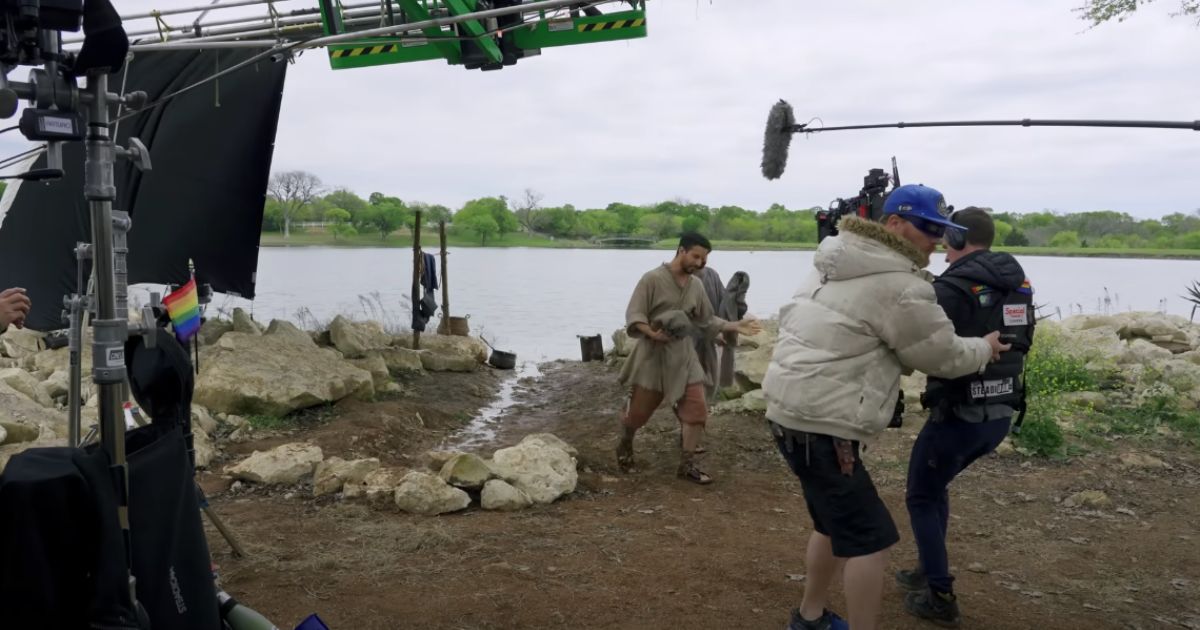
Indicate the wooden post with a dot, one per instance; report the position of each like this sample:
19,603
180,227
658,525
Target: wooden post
445,285
416,284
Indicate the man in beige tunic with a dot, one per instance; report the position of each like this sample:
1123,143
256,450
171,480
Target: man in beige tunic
667,305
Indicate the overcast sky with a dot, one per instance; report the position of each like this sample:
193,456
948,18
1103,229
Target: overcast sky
681,113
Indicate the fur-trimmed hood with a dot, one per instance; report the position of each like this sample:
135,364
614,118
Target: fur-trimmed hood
863,248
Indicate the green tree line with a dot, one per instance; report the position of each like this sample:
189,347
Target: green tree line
344,213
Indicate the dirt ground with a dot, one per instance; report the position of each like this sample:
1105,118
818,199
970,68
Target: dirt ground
651,551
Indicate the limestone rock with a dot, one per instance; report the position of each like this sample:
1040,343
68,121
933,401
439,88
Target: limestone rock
766,338
275,375
401,361
212,329
25,383
26,420
472,346
622,342
335,473
19,432
466,471
551,440
374,364
423,493
1159,330
234,420
58,385
1088,499
1142,460
19,343
435,460
502,496
205,452
284,464
59,359
243,323
544,472
754,401
1143,352
287,329
1089,322
913,384
1181,375
354,340
201,418
377,488
448,361
751,367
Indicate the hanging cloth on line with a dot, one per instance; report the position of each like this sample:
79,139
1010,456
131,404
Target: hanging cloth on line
424,306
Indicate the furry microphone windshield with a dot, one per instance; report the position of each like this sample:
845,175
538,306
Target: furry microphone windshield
776,140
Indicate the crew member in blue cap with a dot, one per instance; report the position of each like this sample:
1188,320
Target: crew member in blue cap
866,314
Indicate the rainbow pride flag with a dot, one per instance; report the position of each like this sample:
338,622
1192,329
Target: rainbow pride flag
183,306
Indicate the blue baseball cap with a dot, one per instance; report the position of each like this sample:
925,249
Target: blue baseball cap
920,202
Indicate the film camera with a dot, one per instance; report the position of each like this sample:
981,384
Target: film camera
868,203
31,35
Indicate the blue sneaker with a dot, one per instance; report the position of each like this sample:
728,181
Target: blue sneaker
828,621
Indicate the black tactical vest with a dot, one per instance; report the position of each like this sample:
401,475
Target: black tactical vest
992,309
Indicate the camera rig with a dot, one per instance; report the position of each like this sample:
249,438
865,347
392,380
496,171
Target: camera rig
868,203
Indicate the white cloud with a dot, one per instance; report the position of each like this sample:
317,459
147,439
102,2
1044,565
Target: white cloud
681,112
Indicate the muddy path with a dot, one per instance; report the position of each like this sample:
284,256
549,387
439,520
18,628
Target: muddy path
650,551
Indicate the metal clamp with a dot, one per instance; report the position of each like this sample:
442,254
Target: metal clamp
108,351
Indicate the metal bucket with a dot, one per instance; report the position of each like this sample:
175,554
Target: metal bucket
502,360
592,348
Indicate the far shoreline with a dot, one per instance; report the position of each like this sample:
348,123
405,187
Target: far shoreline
511,241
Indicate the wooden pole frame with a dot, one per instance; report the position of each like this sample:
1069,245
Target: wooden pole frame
418,261
445,281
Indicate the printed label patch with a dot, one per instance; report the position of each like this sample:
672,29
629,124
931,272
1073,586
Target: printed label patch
987,389
1016,314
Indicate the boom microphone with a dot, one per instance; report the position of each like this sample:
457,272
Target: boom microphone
780,126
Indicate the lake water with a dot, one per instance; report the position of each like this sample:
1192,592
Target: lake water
535,302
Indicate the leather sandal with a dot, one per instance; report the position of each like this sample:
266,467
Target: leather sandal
625,457
694,475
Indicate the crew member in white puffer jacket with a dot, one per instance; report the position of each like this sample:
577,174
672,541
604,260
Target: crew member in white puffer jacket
865,315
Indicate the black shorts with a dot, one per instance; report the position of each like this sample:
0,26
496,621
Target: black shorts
844,507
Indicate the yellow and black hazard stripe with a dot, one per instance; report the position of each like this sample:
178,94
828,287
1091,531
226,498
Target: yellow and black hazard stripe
365,50
610,26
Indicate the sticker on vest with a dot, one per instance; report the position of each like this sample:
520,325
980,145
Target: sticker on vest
1016,314
988,389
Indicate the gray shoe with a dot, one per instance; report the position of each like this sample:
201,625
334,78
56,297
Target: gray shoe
912,579
940,608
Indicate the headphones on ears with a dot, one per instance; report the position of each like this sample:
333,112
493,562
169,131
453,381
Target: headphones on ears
955,238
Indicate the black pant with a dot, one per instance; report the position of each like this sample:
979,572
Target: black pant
944,448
